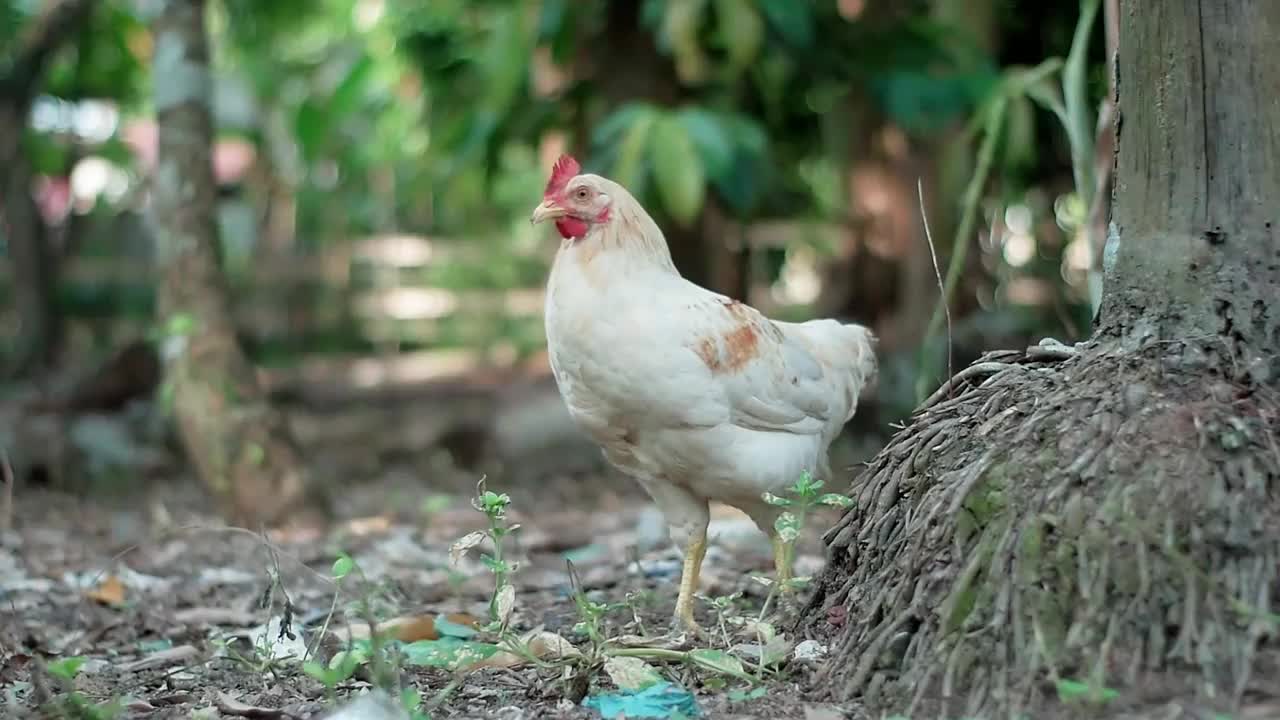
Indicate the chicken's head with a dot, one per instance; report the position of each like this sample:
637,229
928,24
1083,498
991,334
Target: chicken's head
576,202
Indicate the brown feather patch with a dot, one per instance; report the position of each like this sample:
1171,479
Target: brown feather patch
736,348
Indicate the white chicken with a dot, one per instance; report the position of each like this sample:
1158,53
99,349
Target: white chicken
696,396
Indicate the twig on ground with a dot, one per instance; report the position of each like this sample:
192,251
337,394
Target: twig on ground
193,529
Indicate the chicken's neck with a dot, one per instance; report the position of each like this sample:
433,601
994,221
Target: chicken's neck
632,235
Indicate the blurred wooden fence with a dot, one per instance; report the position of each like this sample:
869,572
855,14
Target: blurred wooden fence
384,292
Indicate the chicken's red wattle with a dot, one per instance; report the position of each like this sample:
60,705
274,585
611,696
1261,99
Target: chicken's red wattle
570,227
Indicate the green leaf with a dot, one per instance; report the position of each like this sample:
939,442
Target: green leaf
835,500
1020,134
448,628
66,668
788,527
806,485
719,661
180,324
342,566
410,699
629,163
741,30
748,133
630,673
677,170
793,21
350,93
310,126
680,27
711,139
317,671
257,453
775,651
345,662
612,126
775,500
552,18
506,60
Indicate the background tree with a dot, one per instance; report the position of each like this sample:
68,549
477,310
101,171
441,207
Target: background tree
374,163
35,260
239,445
1101,516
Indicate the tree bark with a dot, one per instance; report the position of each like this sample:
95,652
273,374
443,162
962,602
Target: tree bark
34,261
1197,199
1070,526
240,446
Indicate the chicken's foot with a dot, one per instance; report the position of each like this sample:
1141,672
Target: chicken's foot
689,576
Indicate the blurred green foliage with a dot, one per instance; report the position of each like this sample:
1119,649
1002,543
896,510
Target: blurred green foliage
386,116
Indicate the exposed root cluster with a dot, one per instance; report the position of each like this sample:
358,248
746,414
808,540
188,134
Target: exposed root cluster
1077,515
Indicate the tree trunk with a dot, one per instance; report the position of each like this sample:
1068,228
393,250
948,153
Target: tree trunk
34,261
1198,173
1072,531
240,446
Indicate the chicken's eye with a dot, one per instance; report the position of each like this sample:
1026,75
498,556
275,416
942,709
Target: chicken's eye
581,194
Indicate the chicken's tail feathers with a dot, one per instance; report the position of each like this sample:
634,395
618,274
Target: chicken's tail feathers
847,350
858,345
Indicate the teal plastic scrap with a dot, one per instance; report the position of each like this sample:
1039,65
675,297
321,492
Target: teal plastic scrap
661,700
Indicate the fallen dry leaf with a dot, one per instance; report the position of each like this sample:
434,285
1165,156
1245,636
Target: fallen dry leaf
541,644
231,706
109,592
172,656
463,544
408,628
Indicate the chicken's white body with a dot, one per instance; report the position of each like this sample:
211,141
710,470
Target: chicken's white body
686,388
694,395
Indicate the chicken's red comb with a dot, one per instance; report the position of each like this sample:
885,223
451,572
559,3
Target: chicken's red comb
566,169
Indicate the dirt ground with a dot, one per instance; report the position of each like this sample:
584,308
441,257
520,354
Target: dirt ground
163,605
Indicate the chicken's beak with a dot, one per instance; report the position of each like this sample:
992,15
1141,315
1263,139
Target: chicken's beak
546,211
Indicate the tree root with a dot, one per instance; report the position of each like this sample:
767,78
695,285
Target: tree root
1064,518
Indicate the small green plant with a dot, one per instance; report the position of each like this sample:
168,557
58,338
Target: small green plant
72,704
382,660
636,601
411,701
723,606
805,494
66,668
340,669
494,506
344,663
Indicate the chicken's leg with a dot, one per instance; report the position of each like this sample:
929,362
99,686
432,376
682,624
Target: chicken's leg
694,553
687,517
